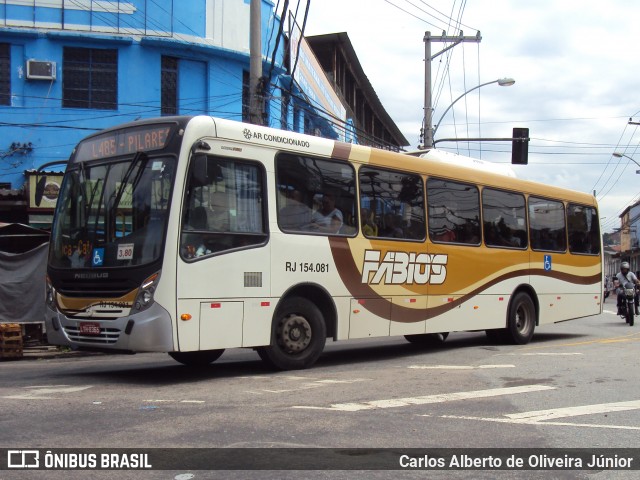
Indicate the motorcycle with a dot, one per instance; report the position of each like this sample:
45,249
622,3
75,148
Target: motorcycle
627,307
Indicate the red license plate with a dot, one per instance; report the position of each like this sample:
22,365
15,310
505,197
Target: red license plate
89,328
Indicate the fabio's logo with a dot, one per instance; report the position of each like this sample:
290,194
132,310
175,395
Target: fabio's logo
399,268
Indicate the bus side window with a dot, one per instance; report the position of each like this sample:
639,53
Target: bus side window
454,212
547,227
315,195
226,211
584,230
391,204
504,219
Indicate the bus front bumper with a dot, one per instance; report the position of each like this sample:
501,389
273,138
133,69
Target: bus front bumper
147,331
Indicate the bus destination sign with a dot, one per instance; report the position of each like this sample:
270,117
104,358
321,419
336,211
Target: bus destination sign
123,142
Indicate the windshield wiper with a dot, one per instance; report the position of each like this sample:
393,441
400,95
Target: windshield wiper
139,157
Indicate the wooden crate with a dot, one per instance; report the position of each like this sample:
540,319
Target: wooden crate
10,340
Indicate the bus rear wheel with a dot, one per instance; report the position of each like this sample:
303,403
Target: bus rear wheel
298,335
521,321
197,359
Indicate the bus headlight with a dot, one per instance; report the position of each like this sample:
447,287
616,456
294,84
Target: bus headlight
147,290
50,293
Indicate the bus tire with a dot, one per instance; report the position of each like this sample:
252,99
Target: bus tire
197,359
427,338
298,335
521,321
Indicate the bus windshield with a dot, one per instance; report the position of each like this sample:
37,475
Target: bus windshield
112,214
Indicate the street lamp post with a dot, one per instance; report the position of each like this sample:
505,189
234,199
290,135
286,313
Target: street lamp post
620,155
431,131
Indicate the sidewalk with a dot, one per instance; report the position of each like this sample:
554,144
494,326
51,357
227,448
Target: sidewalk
46,352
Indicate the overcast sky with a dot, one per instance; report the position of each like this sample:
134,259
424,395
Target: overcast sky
577,69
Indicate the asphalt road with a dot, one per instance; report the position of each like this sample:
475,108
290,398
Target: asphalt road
576,385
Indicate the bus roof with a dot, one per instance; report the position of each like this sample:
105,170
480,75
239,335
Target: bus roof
475,163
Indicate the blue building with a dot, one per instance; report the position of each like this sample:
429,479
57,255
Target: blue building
71,67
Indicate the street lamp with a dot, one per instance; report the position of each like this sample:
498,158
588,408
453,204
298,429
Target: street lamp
620,155
503,82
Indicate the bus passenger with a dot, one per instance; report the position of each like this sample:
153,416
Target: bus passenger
444,234
393,226
369,228
328,218
295,215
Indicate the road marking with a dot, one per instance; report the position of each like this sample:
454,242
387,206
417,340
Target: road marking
306,386
47,386
551,354
329,381
172,401
541,354
539,424
40,392
458,367
429,399
541,417
631,337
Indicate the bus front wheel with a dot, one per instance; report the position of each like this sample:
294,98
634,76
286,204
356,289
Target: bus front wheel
298,335
197,359
521,321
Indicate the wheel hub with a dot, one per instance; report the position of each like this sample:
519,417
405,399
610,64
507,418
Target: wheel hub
522,320
294,333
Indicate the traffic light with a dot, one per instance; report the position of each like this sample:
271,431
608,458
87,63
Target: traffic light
520,146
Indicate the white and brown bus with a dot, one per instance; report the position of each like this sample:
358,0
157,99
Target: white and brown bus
190,235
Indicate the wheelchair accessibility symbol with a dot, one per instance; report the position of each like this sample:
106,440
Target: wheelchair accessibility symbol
98,257
547,263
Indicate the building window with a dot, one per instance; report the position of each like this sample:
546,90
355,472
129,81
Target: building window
5,74
90,78
169,86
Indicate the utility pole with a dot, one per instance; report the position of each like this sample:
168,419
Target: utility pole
256,104
428,112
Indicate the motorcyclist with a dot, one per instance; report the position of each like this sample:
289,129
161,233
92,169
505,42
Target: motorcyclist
624,276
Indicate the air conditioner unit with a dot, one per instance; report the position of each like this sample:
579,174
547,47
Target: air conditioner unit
41,70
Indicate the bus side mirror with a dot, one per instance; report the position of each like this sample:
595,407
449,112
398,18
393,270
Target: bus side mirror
199,173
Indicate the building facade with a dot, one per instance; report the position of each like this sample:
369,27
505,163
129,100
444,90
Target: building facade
69,68
371,123
629,244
